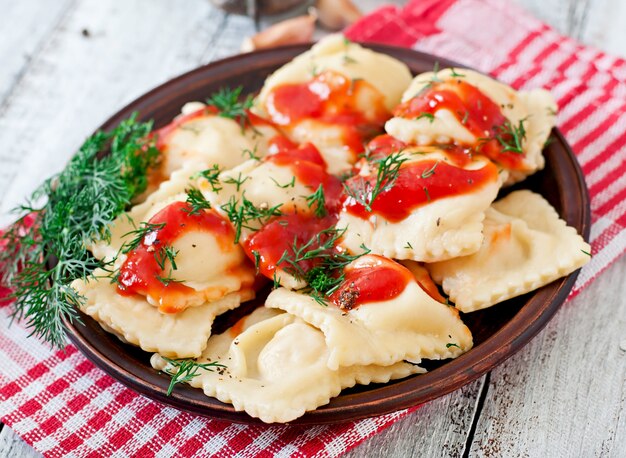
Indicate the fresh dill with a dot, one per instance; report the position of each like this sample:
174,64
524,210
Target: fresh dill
408,245
243,214
167,279
238,182
509,136
164,254
227,102
196,200
586,252
429,116
257,260
388,169
68,212
139,234
328,262
448,345
252,154
185,370
291,184
430,172
455,74
317,200
212,176
427,193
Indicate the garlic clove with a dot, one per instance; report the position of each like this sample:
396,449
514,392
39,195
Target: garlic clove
295,30
336,14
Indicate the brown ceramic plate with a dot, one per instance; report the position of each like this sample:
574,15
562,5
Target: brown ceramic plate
498,332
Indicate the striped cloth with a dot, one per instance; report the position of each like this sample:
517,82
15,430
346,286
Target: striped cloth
64,406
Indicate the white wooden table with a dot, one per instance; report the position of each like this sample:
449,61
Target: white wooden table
66,65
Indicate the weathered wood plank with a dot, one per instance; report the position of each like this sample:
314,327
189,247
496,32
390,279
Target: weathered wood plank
12,446
25,26
437,429
599,23
564,394
77,81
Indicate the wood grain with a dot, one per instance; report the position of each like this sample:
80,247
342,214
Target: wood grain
564,395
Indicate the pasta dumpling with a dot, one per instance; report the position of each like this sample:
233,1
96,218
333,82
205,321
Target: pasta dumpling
134,320
380,316
274,366
526,246
430,210
201,135
463,107
337,95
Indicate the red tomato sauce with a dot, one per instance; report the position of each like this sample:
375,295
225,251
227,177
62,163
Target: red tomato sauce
281,235
379,280
418,184
140,272
477,112
307,164
333,99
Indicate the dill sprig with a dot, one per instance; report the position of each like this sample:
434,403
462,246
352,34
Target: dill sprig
327,272
227,102
69,211
139,234
509,136
388,169
166,253
318,201
185,370
196,201
212,176
243,214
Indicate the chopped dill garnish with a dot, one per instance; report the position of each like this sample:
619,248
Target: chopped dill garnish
186,370
168,279
586,252
252,154
257,260
430,172
509,136
238,182
243,213
196,201
318,201
429,116
227,102
291,184
388,169
212,175
327,274
68,212
166,253
455,74
427,194
139,234
448,345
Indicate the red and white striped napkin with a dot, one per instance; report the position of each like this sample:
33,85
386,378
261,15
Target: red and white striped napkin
64,406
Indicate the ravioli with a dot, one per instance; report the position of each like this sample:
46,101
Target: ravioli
526,246
275,368
134,320
432,212
337,95
201,135
471,109
185,260
410,326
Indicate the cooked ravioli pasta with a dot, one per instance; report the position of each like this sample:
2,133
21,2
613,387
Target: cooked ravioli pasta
526,246
440,225
132,319
304,188
275,368
411,326
471,109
